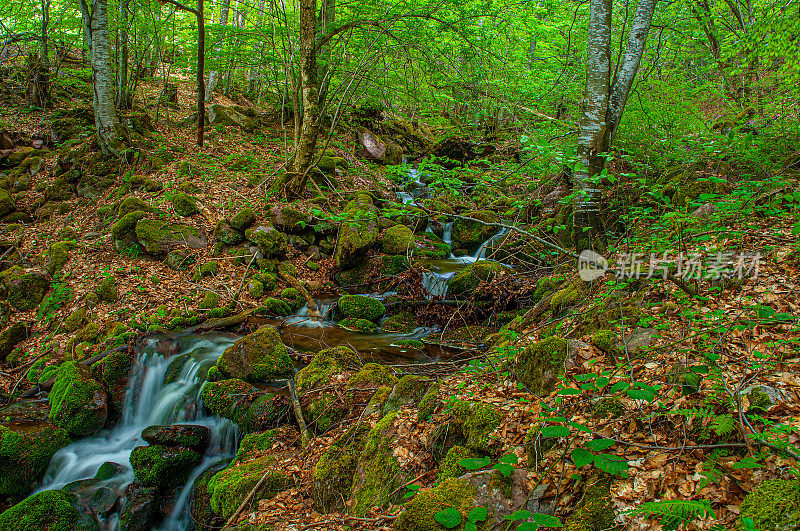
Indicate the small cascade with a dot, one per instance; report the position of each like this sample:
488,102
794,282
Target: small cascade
435,284
149,401
305,318
447,234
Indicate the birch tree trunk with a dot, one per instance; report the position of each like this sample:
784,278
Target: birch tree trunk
587,225
213,76
87,30
309,130
105,114
122,98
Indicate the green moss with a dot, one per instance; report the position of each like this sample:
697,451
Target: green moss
372,375
322,411
361,307
595,512
25,455
277,307
377,472
158,237
123,232
209,269
466,280
256,290
184,204
78,403
24,290
163,467
134,204
401,323
210,300
397,240
477,421
356,237
419,512
58,256
606,340
538,366
408,344
49,510
293,298
249,407
469,235
258,356
256,442
429,403
243,219
408,392
354,324
773,504
546,285
229,487
335,469
226,234
609,406
107,290
76,320
565,298
269,240
449,467
325,364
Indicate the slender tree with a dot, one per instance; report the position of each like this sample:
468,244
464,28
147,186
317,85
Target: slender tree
213,76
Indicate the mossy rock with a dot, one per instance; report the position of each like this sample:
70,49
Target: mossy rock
468,279
325,364
225,233
256,290
25,454
293,298
162,466
229,487
78,402
23,289
256,357
419,514
378,474
361,307
408,391
113,372
179,260
269,240
538,366
334,471
243,219
412,217
773,504
210,301
200,507
256,443
7,204
49,510
469,235
77,319
372,375
184,204
565,298
273,306
134,204
607,341
249,407
191,436
477,421
208,269
397,240
428,245
429,403
546,286
595,511
159,237
358,236
14,334
449,467
322,411
608,406
290,219
107,290
353,324
58,256
123,232
380,268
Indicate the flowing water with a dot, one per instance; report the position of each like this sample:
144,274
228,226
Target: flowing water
148,401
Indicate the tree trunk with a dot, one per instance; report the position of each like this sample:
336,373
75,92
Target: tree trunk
201,62
105,114
254,73
587,225
122,98
87,30
44,54
309,130
213,76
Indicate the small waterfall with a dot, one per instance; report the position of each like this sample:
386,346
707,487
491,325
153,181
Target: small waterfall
149,401
447,235
435,284
304,318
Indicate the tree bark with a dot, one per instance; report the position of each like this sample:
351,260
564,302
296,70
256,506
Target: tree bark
122,98
587,225
213,76
309,130
201,62
105,114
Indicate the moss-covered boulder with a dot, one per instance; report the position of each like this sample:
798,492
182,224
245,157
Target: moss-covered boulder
565,299
476,421
330,367
200,506
107,290
773,504
163,467
595,511
113,372
160,237
468,235
258,356
607,341
359,234
449,467
293,298
49,510
7,204
229,487
408,392
23,289
243,219
353,324
191,436
184,204
428,245
538,366
58,256
376,270
78,402
325,364
397,240
139,508
25,453
11,336
420,512
378,475
465,281
361,307
123,232
134,204
401,323
290,219
249,407
225,233
269,240
334,471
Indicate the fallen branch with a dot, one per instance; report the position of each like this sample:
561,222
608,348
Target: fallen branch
298,413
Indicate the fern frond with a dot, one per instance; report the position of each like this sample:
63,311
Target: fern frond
675,513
